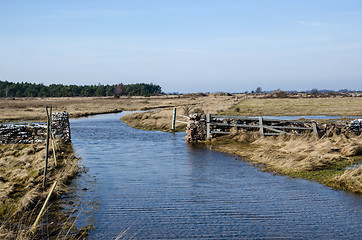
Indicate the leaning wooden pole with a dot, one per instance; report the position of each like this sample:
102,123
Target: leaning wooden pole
44,205
55,143
46,148
54,155
51,136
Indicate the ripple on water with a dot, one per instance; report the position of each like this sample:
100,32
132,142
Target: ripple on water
151,185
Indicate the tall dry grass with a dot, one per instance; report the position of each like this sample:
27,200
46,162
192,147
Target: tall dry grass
332,106
324,160
22,194
160,119
351,179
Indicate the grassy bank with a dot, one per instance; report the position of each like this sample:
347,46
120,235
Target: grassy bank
21,189
157,120
160,119
323,160
32,109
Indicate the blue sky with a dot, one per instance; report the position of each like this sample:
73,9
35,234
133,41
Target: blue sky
184,45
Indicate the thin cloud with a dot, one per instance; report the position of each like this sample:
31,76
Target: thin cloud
311,24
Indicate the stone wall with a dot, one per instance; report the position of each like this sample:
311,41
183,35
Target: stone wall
196,128
35,133
60,126
340,127
22,133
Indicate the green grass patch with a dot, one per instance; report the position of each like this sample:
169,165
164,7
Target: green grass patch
33,173
326,176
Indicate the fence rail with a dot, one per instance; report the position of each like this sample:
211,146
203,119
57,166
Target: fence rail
174,119
222,124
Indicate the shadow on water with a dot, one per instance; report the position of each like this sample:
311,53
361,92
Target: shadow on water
152,185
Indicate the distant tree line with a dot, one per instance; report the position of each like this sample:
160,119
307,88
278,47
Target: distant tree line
314,91
9,89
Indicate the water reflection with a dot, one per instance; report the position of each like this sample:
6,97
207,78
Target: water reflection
151,185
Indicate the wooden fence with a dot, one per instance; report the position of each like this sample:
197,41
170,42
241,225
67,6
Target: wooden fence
174,119
221,124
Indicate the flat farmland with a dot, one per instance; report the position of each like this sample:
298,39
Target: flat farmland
333,106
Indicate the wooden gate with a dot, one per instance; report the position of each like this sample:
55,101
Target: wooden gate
221,124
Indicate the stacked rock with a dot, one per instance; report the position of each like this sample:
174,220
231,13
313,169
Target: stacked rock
60,126
196,128
10,134
35,133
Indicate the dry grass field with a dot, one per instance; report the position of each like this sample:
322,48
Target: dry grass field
247,106
33,109
332,106
160,119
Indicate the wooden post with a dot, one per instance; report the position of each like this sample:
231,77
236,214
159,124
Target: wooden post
261,126
208,130
174,120
315,130
44,205
47,147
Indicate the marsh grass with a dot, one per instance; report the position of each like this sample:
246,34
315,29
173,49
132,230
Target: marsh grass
160,119
323,160
33,109
22,195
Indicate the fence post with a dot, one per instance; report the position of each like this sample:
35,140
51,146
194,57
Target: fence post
315,130
47,146
208,119
261,126
174,120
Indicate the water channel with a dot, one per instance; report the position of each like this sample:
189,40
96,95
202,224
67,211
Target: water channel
152,185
